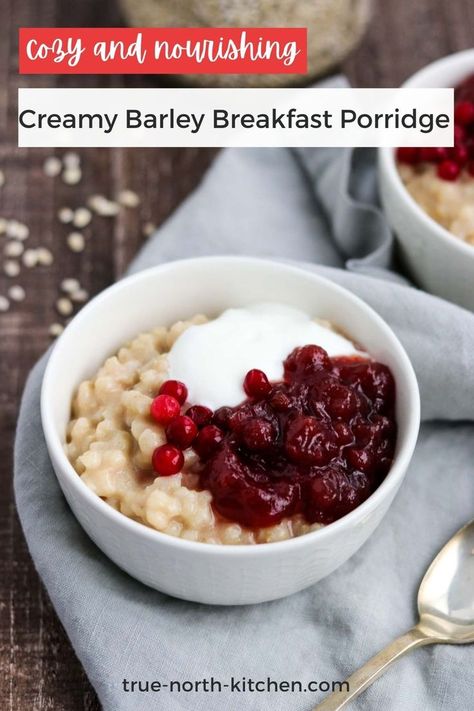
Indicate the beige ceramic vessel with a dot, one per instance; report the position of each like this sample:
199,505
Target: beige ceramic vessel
334,29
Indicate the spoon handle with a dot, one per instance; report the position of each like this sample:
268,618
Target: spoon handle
363,677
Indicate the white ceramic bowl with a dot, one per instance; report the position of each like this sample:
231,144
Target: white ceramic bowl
213,573
439,262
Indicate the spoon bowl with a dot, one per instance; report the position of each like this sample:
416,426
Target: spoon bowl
446,594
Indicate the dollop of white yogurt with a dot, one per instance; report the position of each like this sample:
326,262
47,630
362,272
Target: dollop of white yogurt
212,359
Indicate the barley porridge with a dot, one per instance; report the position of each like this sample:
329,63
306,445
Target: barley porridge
255,460
451,204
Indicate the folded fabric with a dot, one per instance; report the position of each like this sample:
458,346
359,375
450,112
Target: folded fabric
318,208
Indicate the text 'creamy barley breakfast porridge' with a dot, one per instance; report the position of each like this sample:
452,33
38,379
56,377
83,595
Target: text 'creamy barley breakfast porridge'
256,426
441,180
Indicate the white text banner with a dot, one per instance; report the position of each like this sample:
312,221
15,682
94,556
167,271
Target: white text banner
234,117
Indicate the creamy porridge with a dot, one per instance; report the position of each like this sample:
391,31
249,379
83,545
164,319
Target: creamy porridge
451,204
115,433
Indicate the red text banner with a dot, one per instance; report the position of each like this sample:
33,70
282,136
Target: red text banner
156,50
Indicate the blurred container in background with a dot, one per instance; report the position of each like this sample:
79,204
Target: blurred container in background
334,29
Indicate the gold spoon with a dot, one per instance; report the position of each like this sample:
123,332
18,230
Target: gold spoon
446,609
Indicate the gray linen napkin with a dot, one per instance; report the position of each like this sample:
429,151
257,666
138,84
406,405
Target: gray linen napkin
316,207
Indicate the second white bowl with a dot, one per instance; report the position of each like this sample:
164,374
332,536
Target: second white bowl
439,262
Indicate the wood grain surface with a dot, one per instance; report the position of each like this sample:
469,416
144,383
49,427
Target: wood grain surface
38,668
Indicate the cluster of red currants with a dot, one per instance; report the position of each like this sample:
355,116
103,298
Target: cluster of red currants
195,428
450,162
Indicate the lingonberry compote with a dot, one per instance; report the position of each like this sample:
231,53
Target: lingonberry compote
318,443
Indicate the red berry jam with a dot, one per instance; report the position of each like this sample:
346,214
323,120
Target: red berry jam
451,162
318,443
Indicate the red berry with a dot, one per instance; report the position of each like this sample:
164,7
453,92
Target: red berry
257,434
181,431
256,383
343,433
459,154
433,155
200,415
341,401
309,441
465,91
361,459
464,113
207,441
221,417
377,381
176,389
334,494
459,134
167,460
439,154
239,417
470,147
408,155
425,155
448,170
365,432
383,426
164,408
306,360
280,401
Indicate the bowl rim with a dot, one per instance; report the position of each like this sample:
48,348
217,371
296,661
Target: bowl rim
388,163
394,477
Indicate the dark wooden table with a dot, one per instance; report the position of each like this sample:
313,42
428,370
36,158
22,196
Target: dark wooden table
38,668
